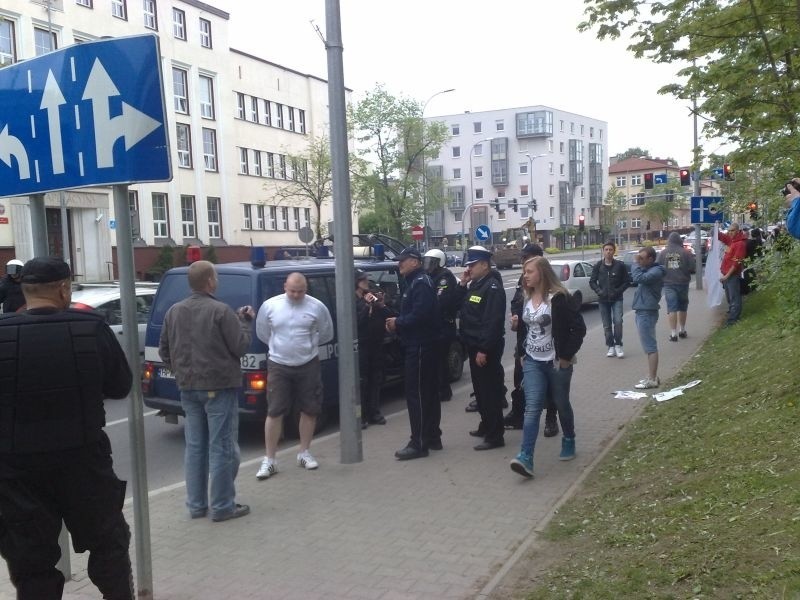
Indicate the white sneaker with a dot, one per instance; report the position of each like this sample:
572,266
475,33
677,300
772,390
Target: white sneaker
304,459
620,353
646,384
610,352
268,468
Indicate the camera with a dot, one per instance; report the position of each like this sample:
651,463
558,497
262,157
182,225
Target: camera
790,187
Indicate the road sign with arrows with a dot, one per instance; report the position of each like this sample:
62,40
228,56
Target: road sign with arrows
89,114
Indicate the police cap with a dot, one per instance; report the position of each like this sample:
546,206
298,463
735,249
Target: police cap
476,254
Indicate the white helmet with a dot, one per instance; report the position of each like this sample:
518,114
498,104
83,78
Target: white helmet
14,267
434,259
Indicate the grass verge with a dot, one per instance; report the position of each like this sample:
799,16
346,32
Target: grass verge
701,498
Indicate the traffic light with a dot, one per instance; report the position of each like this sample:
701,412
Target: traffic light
535,206
727,173
514,204
753,206
686,177
581,222
648,181
496,205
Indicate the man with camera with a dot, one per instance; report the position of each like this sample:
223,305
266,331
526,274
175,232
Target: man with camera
791,193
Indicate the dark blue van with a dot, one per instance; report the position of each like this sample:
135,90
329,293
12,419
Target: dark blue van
244,284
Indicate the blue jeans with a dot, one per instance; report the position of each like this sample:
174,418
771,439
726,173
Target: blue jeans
611,314
212,448
538,377
733,294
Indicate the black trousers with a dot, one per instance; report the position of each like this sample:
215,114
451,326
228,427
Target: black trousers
443,372
370,368
79,487
424,409
487,381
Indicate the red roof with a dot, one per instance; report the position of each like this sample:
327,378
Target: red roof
633,164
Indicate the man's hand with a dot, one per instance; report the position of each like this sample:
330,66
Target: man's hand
391,325
480,359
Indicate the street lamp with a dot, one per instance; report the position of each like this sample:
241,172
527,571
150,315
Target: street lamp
530,188
424,174
471,184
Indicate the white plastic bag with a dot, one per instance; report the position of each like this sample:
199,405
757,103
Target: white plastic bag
714,290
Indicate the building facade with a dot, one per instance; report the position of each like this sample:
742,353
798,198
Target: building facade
235,121
501,168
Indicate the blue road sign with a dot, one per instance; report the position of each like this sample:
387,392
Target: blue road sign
717,173
90,114
706,209
660,178
483,233
112,223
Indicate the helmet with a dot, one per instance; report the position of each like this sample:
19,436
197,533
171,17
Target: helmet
14,267
434,259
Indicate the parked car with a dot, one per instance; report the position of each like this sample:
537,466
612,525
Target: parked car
104,298
629,259
575,275
453,258
705,244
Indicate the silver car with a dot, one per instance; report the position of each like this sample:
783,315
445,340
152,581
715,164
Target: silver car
575,275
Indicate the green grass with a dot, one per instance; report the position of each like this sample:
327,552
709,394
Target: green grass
701,498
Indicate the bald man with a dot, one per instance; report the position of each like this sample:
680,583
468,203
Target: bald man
292,325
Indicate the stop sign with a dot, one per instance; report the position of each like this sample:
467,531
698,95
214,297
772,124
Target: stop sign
417,232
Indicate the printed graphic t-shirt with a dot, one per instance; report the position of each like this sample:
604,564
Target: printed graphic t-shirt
539,341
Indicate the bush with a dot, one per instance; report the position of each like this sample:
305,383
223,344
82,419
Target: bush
211,255
164,262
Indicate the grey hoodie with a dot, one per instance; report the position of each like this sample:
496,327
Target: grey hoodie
677,261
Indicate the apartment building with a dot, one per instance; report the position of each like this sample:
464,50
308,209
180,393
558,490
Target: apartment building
502,167
234,121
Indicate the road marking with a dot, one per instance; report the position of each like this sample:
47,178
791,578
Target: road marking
118,421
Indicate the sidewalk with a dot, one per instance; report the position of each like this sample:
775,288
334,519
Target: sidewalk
447,526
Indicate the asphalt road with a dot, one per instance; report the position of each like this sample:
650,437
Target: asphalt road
164,442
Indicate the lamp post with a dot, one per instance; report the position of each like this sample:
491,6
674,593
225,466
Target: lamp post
471,184
424,174
530,188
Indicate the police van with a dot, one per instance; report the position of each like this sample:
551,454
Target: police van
243,284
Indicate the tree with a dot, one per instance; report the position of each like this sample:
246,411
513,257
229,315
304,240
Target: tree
310,180
394,142
615,207
633,153
737,60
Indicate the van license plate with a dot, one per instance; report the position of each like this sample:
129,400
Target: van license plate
164,373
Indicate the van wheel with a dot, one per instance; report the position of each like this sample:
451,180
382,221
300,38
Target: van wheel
455,360
291,424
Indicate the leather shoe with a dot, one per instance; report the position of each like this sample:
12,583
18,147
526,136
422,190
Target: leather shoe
487,445
477,433
472,406
410,453
550,429
239,510
511,421
435,445
378,419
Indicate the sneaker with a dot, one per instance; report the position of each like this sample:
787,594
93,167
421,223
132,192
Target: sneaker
610,352
304,459
523,464
567,449
683,334
619,351
646,384
673,338
239,510
268,469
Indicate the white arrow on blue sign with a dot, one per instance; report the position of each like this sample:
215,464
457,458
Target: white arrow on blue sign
89,114
660,178
707,209
483,233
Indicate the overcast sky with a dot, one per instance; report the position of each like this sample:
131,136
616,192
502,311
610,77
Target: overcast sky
497,54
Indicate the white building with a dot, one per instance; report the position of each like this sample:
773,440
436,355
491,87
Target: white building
233,119
518,158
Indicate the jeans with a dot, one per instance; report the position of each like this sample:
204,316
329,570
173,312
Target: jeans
611,314
212,448
733,294
539,376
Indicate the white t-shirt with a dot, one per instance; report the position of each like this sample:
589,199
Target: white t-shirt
539,341
293,331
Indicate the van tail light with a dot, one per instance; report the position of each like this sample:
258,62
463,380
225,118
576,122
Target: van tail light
148,372
564,272
255,386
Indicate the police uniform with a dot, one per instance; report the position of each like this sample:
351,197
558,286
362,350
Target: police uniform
482,324
11,296
55,458
449,301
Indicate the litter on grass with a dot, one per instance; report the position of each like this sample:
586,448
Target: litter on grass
660,396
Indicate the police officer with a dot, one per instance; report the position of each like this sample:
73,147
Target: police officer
371,315
483,314
419,326
55,458
10,291
449,300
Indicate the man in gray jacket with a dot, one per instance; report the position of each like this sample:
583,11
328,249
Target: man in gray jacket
202,342
679,264
650,278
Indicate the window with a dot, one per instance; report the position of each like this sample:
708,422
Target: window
478,172
133,208
456,173
214,223
273,218
149,12
86,3
243,166
581,129
479,194
637,199
477,127
259,217
307,217
455,128
206,97
179,24
8,42
550,168
591,132
248,216
278,115
549,145
160,220
523,190
456,151
239,105
180,90
210,149
636,180
296,218
284,218
561,125
205,33
266,117
270,165
184,144
188,223
301,120
572,127
291,118
551,190
561,169
257,163
281,166
478,149
561,147
636,223
499,125
601,133
119,9
523,168
621,179
583,192
44,41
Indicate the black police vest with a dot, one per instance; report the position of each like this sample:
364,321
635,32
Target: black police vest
51,382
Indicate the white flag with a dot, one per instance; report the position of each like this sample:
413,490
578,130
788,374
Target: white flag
714,290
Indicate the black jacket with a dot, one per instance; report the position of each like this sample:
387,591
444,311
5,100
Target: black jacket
609,281
566,344
419,321
483,312
11,295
